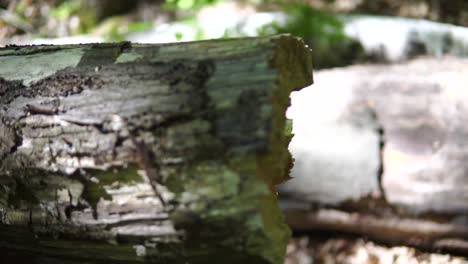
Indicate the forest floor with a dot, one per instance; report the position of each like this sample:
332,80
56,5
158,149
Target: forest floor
336,249
302,249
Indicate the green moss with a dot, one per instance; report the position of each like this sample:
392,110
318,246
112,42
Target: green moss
226,192
45,64
128,175
270,234
322,31
213,180
23,196
26,188
95,189
188,4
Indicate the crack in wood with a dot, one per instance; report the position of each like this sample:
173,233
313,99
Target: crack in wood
125,222
41,110
380,171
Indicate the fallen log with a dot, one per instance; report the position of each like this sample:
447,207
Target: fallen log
383,146
132,153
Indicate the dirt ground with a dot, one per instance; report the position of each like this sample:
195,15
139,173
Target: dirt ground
317,249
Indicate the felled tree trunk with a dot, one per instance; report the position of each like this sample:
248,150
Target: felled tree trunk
131,153
380,151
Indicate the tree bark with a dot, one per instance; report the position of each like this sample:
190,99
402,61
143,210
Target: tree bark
131,153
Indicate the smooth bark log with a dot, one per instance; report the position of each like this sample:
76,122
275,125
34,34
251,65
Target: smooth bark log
385,146
131,152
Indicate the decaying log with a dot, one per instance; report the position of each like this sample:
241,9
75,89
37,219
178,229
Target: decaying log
381,144
130,152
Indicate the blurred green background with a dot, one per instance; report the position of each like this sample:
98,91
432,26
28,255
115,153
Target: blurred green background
318,22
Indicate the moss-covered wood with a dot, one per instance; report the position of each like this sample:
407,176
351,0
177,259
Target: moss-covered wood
91,135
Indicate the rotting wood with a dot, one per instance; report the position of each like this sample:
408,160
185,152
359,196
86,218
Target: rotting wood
210,115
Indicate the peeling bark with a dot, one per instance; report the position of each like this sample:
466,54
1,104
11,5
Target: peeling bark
132,153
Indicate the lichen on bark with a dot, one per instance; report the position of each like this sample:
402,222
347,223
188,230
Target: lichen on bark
210,117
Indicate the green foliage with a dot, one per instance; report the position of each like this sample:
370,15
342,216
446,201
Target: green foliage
114,29
199,35
179,36
20,8
66,9
312,24
139,26
323,32
189,4
234,32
